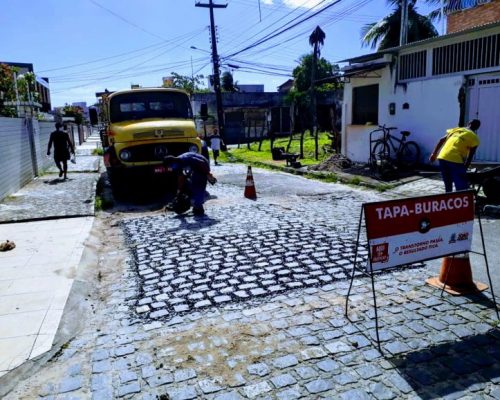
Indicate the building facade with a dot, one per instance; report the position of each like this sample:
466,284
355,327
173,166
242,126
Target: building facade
425,88
41,84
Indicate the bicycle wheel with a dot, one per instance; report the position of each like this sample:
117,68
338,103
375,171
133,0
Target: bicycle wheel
409,156
380,152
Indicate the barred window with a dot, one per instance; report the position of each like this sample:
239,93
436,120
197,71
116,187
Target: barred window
466,56
413,65
365,105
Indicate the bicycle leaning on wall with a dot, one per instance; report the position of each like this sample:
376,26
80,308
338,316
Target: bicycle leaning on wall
406,154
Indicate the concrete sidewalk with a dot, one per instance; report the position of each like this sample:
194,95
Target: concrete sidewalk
37,275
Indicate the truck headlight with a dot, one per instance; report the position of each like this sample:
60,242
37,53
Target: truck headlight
125,155
193,149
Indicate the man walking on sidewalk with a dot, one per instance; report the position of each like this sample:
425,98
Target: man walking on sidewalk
215,144
62,147
455,152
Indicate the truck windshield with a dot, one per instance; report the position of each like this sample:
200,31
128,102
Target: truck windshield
141,105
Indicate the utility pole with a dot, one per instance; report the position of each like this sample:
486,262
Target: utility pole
403,32
215,61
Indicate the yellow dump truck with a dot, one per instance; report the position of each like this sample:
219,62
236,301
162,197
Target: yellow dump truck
142,126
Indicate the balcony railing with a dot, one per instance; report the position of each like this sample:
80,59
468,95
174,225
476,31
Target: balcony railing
459,5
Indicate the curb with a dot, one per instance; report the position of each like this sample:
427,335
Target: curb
336,177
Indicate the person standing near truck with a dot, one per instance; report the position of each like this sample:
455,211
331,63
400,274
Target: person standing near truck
215,144
455,152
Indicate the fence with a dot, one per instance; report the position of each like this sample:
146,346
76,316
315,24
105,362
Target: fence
23,150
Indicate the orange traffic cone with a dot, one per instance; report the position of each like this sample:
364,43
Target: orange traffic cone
250,192
455,277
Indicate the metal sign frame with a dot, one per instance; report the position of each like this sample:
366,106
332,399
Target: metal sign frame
371,272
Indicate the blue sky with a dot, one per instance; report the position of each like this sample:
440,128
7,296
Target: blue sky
122,42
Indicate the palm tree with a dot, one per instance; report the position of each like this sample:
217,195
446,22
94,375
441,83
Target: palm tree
317,39
385,33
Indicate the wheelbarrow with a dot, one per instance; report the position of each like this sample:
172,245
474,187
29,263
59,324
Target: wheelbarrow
487,179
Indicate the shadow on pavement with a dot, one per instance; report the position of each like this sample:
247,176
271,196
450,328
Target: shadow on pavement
193,223
56,181
482,299
136,196
453,367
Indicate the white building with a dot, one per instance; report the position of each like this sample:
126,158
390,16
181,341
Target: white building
425,88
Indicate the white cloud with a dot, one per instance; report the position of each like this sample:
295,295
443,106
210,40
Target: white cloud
301,3
269,2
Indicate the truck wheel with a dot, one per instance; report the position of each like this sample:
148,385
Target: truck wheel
117,181
491,189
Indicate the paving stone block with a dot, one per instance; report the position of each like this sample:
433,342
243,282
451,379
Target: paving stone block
368,371
127,376
257,389
337,347
306,372
209,386
148,371
319,386
125,390
103,394
101,366
182,375
354,394
182,393
327,365
124,350
285,361
70,384
313,352
283,380
259,369
228,396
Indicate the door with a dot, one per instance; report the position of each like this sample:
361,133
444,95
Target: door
484,104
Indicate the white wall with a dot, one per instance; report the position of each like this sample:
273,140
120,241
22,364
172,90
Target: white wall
433,108
24,145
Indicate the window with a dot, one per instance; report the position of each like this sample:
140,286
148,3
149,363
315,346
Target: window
466,56
412,65
155,104
365,105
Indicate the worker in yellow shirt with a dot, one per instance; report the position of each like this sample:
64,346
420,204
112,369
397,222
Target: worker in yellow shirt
455,152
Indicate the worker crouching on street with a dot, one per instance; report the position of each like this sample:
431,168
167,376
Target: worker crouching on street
193,172
454,153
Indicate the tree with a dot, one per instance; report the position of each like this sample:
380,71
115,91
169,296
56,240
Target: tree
75,112
302,74
316,40
385,33
227,82
26,87
7,90
300,94
190,84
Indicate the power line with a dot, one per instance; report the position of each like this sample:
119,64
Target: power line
157,45
280,32
126,20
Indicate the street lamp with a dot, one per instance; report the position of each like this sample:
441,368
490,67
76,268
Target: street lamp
196,48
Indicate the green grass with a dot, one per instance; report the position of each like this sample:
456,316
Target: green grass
98,151
264,156
102,203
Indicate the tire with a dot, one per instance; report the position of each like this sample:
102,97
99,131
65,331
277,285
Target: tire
409,156
117,181
491,189
380,152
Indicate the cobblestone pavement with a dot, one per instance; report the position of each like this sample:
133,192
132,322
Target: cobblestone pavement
419,187
193,313
50,196
82,164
